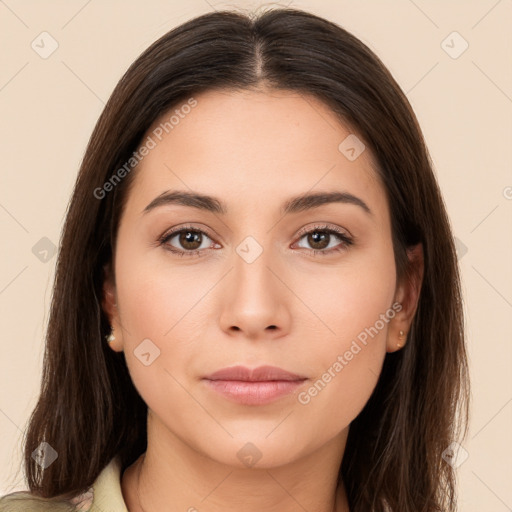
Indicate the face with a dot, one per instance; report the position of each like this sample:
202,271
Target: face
311,290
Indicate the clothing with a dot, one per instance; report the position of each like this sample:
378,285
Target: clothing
105,494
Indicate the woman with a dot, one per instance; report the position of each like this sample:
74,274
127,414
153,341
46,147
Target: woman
257,302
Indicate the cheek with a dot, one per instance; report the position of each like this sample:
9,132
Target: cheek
156,293
156,305
156,314
355,311
352,295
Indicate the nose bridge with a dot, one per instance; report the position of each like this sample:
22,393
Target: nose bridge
255,298
252,262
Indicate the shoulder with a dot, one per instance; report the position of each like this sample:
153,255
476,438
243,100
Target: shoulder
105,493
24,501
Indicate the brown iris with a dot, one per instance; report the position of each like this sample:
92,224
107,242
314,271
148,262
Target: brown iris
189,238
318,237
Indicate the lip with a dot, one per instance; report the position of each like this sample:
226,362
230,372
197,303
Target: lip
259,374
256,386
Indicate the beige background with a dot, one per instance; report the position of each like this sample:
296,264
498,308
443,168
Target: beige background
464,105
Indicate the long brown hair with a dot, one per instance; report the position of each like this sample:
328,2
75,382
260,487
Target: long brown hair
89,410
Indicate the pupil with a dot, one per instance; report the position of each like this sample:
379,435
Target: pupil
189,238
319,237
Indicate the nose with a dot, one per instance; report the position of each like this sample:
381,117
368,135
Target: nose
254,299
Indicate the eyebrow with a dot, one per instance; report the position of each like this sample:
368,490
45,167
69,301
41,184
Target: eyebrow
293,205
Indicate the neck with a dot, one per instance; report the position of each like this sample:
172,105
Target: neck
171,476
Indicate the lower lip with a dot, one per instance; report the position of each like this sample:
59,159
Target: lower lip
254,393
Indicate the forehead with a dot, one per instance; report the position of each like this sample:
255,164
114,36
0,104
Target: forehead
247,147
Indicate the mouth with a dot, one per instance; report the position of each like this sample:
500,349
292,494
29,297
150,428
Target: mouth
256,386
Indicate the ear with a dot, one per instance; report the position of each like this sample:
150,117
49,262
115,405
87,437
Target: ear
407,294
109,305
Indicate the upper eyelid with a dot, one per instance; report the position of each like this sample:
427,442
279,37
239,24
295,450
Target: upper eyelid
324,227
173,232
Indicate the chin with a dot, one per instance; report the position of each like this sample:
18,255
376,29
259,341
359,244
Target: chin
256,451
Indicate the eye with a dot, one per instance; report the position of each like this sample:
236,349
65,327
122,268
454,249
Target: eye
190,241
322,239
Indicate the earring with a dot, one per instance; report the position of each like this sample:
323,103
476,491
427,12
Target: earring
401,337
110,337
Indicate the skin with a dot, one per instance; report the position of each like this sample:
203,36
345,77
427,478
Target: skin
207,312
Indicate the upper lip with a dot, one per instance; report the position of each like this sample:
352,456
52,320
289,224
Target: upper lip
259,374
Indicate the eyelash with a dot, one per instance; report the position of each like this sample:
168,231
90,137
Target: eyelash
332,230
